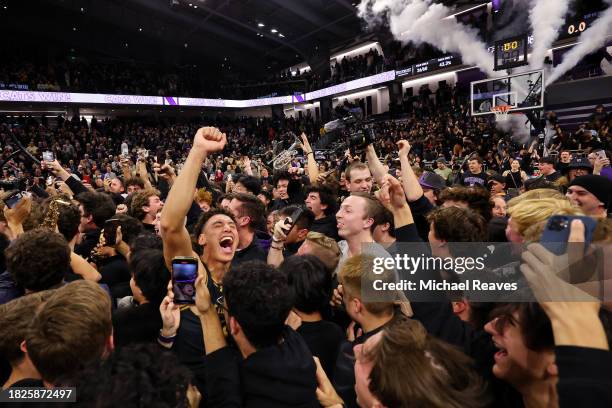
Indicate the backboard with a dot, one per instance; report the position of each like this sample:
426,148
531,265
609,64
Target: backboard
524,91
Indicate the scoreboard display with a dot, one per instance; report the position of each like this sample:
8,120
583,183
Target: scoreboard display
511,52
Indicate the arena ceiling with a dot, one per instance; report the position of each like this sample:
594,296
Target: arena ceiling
254,36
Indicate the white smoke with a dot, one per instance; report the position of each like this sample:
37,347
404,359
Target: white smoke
518,127
591,39
420,21
546,17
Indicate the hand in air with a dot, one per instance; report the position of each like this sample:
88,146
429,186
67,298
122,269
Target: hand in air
209,139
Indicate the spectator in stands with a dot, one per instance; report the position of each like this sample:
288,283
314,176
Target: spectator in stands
515,177
247,184
474,175
38,260
286,240
547,169
592,194
134,185
145,206
248,212
358,178
95,209
442,168
310,282
321,200
15,318
497,185
579,166
277,369
79,310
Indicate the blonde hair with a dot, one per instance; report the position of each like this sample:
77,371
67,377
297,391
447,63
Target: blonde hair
324,248
536,194
530,212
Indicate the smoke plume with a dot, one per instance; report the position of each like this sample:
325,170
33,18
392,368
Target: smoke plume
518,127
420,21
591,39
546,17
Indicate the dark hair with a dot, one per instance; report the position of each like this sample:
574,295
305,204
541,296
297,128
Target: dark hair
4,243
130,227
534,323
266,194
326,195
99,205
252,184
454,224
310,282
139,375
280,175
134,181
477,198
384,216
38,259
144,241
205,217
305,220
257,296
150,274
475,157
252,207
539,182
68,220
142,199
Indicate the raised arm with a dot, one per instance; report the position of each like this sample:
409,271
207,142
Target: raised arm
411,185
313,169
376,167
172,224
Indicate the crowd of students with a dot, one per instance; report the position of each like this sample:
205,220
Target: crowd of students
279,317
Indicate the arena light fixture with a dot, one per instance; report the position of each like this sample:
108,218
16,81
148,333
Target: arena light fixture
261,25
274,31
281,35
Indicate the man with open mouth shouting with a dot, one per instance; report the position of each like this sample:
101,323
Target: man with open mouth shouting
216,232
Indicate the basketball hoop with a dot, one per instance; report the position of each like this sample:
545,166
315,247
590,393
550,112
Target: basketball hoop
501,112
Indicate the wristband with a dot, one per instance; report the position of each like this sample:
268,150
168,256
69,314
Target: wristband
165,339
276,240
277,248
309,153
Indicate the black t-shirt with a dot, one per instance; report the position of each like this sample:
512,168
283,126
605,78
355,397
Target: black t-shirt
326,225
513,180
323,339
251,253
137,324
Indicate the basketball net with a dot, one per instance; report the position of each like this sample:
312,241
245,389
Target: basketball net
501,112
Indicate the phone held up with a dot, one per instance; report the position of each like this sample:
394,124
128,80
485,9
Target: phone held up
295,216
184,275
48,156
13,198
557,231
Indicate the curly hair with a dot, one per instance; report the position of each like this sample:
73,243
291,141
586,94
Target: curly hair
139,200
310,282
38,259
137,375
258,297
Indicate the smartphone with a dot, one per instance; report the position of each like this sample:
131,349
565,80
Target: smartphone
601,154
557,230
125,151
295,216
48,156
110,231
184,274
12,199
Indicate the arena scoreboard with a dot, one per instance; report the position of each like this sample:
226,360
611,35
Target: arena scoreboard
511,52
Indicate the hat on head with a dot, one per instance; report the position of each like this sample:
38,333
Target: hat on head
580,163
432,181
497,177
441,160
599,186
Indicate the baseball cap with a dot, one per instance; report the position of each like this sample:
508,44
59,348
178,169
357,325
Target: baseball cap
432,181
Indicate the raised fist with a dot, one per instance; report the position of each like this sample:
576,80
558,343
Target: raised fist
209,139
404,147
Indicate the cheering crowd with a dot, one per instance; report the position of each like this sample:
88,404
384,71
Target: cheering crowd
278,315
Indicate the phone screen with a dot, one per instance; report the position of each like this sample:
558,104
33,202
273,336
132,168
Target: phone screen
184,274
12,200
48,156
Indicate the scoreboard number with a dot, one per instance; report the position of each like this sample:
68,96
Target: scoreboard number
511,52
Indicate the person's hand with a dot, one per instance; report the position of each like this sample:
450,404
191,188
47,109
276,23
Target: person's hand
350,332
164,171
280,229
106,183
599,164
209,139
305,143
404,148
293,320
336,299
545,271
18,214
203,301
56,169
391,193
171,316
326,394
321,179
121,209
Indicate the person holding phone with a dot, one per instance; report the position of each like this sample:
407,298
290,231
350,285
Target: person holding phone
216,232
